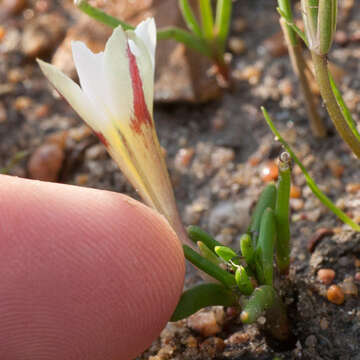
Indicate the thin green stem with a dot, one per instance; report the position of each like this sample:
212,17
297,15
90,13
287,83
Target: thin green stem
309,180
207,19
189,17
101,16
285,6
282,214
207,266
344,109
322,77
222,22
184,37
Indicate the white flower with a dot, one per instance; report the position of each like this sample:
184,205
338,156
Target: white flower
116,100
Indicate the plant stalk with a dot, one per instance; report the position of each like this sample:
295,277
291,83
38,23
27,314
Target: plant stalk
317,125
323,80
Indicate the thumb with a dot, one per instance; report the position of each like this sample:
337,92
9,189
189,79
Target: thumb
84,273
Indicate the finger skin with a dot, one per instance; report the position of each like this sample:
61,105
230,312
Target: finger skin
84,273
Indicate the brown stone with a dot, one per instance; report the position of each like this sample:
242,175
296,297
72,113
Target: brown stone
335,295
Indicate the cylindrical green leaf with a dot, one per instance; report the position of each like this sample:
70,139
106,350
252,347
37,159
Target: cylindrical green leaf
208,254
266,200
197,234
207,266
282,213
189,17
261,299
285,7
265,248
243,281
201,296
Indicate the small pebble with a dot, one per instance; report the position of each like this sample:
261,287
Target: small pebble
183,158
22,103
324,324
3,115
238,338
357,277
221,156
336,168
212,346
42,110
269,171
335,295
251,74
353,188
275,45
349,287
204,323
285,87
297,204
239,24
46,161
311,341
81,179
237,45
326,276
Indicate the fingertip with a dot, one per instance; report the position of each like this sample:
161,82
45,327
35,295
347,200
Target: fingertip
92,274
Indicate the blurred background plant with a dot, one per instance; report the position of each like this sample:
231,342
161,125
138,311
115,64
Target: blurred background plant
208,37
320,17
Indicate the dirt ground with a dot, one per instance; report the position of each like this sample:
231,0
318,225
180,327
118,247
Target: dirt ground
220,154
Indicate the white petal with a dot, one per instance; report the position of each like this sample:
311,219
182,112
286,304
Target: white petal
73,94
90,68
146,31
117,73
144,65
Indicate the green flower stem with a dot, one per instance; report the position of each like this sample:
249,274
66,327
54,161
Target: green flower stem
243,281
326,24
266,200
222,22
196,234
344,109
322,77
264,256
101,16
282,214
298,64
207,19
201,296
207,266
189,17
309,180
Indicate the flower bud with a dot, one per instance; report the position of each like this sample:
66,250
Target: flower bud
320,23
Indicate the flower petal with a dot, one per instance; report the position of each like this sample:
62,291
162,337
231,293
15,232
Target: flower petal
117,75
90,69
146,31
73,94
143,68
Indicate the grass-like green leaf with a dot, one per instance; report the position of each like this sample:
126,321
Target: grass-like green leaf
201,296
222,22
207,19
309,180
185,37
291,23
197,234
101,16
189,17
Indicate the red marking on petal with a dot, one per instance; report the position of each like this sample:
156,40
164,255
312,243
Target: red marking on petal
102,138
141,112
